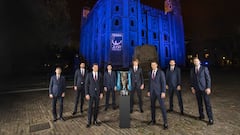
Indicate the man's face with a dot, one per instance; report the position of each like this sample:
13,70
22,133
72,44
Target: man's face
58,71
95,68
109,67
172,63
196,62
82,65
154,65
135,63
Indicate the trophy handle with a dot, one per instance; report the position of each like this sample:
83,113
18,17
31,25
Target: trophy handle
118,81
129,81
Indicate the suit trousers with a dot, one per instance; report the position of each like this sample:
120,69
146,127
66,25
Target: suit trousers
93,110
54,108
202,95
110,91
179,96
80,93
139,94
155,97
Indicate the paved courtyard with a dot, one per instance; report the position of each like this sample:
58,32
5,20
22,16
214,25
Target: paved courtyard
30,113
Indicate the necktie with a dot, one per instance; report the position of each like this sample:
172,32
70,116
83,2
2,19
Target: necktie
196,70
95,76
135,69
82,72
109,73
153,74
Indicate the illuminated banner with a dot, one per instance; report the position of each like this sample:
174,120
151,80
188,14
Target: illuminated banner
117,41
168,6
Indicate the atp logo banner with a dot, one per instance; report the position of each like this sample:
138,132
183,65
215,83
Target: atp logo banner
117,41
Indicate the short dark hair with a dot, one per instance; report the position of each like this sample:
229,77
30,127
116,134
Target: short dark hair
82,62
109,64
196,58
58,67
154,61
95,64
135,59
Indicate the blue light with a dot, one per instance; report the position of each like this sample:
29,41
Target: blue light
138,24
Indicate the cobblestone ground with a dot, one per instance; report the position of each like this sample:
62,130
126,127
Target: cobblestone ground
18,112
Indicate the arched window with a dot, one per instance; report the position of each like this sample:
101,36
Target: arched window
154,35
117,8
116,22
166,52
132,9
132,23
142,33
132,43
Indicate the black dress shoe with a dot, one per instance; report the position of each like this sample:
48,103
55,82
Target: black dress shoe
210,122
74,113
105,109
81,111
170,110
62,119
201,117
165,126
114,108
54,120
88,126
182,113
96,123
141,111
151,122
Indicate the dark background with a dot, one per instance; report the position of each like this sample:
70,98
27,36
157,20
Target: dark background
36,35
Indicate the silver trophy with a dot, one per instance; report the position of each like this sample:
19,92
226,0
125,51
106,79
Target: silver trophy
123,82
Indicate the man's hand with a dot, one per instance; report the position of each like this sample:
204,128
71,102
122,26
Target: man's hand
193,90
167,87
63,94
87,97
142,87
101,95
115,88
179,88
208,91
75,88
105,89
163,95
148,94
51,95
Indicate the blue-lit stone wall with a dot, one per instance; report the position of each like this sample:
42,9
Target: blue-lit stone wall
139,24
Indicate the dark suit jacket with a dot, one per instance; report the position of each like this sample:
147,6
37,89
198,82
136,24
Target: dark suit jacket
109,81
158,84
57,87
92,87
201,80
173,78
136,77
79,79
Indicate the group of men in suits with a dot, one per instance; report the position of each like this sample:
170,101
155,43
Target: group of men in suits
91,85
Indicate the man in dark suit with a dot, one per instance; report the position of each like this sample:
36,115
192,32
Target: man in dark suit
137,84
173,80
201,87
109,82
94,92
79,80
157,91
57,92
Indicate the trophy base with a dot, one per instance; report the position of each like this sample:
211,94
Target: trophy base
124,107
